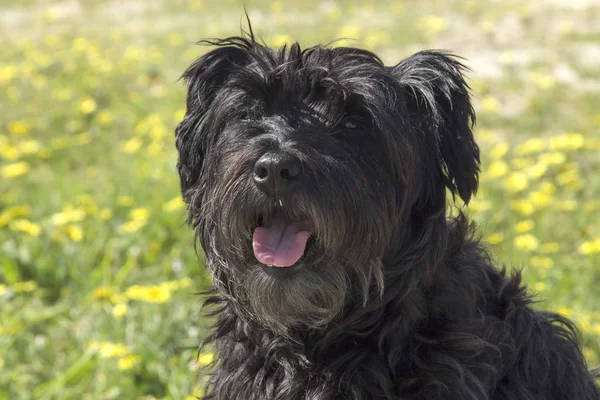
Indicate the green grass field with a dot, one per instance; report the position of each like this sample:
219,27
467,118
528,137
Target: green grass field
98,274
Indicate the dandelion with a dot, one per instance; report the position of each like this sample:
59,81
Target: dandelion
25,226
139,214
27,286
480,205
150,294
3,289
102,293
536,171
566,205
119,310
9,152
109,349
433,25
542,262
589,247
540,199
19,128
128,362
173,205
499,151
75,232
497,169
532,145
206,359
132,145
516,182
495,238
14,170
87,105
524,207
526,242
281,39
550,248
553,158
490,104
569,141
30,146
105,118
524,226
13,212
564,311
541,80
125,201
67,216
105,214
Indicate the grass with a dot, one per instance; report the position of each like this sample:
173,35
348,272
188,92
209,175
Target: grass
97,270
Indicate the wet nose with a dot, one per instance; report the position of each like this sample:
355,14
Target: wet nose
276,173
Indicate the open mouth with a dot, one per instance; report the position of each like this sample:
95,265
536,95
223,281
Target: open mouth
279,241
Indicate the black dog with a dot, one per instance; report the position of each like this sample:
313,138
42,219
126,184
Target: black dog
316,180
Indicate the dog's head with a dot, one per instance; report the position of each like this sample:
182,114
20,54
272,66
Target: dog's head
304,168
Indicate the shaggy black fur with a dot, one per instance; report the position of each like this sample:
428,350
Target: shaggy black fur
392,299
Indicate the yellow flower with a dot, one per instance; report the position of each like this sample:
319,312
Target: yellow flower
132,145
150,294
547,187
589,247
526,242
553,158
532,145
25,226
524,226
536,171
30,146
542,262
480,205
432,24
75,232
19,128
541,80
128,361
349,32
28,286
109,349
280,39
497,169
173,205
205,359
119,310
569,141
540,199
524,207
104,118
102,293
125,201
139,214
550,248
9,152
566,205
14,170
564,311
3,289
490,104
13,212
499,151
105,214
520,162
496,238
516,182
87,106
67,216
539,286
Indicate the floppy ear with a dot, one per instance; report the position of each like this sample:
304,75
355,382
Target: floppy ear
437,97
204,78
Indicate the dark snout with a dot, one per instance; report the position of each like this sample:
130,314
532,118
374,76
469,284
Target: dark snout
275,173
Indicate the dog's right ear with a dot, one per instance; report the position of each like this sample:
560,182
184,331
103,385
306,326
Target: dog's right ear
204,78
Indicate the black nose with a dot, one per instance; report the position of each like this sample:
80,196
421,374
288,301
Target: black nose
275,173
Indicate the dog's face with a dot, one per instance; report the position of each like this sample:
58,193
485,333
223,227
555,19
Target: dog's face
304,169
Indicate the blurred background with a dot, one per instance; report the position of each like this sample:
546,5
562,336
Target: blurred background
98,272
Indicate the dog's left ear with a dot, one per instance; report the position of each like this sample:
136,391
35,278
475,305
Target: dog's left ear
204,78
437,99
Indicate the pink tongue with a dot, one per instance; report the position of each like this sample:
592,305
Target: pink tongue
281,243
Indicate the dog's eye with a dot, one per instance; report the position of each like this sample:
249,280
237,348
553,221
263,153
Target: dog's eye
350,125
